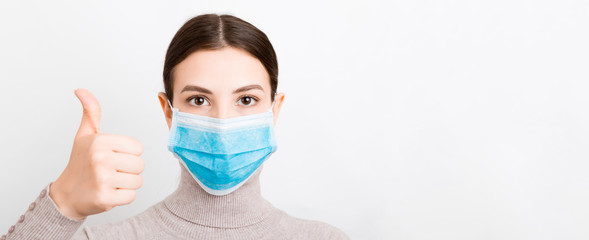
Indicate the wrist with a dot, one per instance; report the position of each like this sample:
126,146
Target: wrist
59,197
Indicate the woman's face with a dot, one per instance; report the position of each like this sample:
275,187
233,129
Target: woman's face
223,83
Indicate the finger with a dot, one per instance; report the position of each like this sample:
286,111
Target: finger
123,196
126,181
91,113
122,144
127,163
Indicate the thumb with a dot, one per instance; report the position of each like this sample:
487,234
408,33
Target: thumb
91,116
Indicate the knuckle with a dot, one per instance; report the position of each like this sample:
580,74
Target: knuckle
101,140
98,139
97,158
93,143
101,200
100,181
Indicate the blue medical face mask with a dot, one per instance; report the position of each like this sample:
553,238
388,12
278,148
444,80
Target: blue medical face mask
221,154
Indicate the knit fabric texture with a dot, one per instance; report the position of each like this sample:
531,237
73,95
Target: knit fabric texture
187,213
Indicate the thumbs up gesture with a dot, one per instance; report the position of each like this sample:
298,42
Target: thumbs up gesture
103,169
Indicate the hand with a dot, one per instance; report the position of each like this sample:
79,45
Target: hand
103,169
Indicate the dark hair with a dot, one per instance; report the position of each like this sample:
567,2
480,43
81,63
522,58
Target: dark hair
212,31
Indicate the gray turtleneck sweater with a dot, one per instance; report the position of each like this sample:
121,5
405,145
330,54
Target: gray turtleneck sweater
187,213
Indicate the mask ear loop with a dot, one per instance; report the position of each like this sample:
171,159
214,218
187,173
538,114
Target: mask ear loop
169,104
171,108
272,106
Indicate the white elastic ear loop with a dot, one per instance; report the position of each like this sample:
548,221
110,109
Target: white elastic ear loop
272,106
169,104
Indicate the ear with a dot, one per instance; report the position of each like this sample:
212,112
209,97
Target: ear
166,108
278,100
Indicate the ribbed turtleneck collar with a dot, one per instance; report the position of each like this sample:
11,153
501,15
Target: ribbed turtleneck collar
242,207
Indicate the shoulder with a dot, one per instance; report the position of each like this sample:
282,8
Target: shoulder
309,229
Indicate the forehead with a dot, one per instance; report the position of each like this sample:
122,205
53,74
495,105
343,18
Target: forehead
224,69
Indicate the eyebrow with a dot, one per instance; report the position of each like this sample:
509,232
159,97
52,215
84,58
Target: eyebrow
196,88
204,90
247,88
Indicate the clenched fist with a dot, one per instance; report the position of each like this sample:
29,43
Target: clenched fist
103,169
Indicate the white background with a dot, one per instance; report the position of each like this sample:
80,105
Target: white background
402,120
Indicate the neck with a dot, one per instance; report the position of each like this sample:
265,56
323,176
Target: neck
242,207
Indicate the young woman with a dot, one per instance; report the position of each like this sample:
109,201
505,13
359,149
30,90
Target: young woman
220,103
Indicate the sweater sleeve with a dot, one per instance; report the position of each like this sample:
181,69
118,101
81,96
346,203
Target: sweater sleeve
43,220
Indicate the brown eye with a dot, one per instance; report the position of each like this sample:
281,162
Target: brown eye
199,101
247,101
